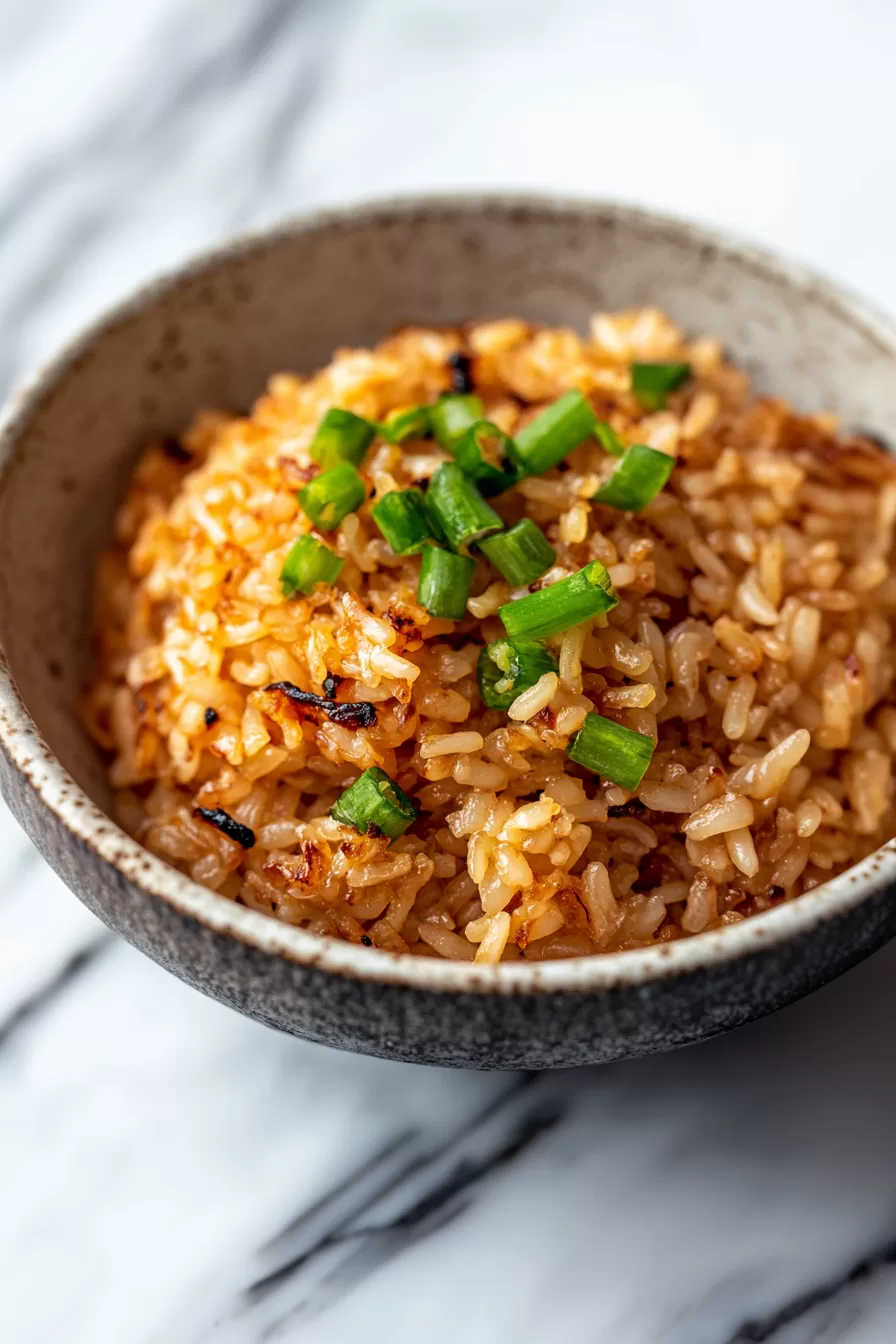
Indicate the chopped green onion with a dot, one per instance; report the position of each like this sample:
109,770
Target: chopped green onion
445,580
435,526
459,509
402,518
608,439
640,476
483,452
342,436
521,554
610,750
410,424
309,562
652,383
507,669
564,604
449,417
331,495
375,801
554,433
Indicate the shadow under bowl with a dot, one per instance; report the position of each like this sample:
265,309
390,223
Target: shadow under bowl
209,335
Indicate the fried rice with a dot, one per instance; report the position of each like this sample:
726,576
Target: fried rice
751,642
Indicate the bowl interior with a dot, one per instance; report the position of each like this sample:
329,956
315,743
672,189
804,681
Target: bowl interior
211,335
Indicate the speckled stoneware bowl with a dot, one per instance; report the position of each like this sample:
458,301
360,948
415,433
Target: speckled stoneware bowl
210,334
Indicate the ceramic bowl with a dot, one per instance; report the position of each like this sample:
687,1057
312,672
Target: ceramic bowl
210,334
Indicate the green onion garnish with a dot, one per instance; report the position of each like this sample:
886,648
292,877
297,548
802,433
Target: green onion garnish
375,800
652,383
309,562
616,753
449,417
331,495
554,433
459,509
564,604
521,554
410,424
608,439
342,436
402,518
507,669
445,580
483,452
640,476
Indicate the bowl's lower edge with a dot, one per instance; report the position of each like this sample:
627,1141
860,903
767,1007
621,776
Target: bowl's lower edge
428,1026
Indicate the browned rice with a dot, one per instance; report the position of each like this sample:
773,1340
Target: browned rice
752,639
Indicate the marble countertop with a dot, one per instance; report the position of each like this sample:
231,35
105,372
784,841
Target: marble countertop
171,1173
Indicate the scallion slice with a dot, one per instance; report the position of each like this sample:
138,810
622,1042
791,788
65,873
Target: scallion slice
342,436
521,554
608,439
375,803
554,433
445,580
330,496
564,604
450,416
410,424
459,509
652,383
506,669
402,518
308,563
484,453
637,480
617,753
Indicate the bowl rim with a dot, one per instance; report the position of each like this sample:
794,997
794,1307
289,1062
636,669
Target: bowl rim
86,823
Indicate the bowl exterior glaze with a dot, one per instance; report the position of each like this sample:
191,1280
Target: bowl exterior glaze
210,335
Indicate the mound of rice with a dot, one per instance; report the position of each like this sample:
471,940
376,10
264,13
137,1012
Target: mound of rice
752,641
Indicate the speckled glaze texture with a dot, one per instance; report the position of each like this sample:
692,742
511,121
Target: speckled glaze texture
210,335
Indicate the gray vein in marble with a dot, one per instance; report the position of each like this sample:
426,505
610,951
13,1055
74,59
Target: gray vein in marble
46,995
291,113
805,1307
373,1245
400,1195
150,114
861,1313
135,141
297,63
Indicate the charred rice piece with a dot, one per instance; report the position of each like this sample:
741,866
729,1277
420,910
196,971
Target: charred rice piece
227,825
352,714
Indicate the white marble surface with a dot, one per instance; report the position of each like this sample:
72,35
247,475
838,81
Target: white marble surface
171,1173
